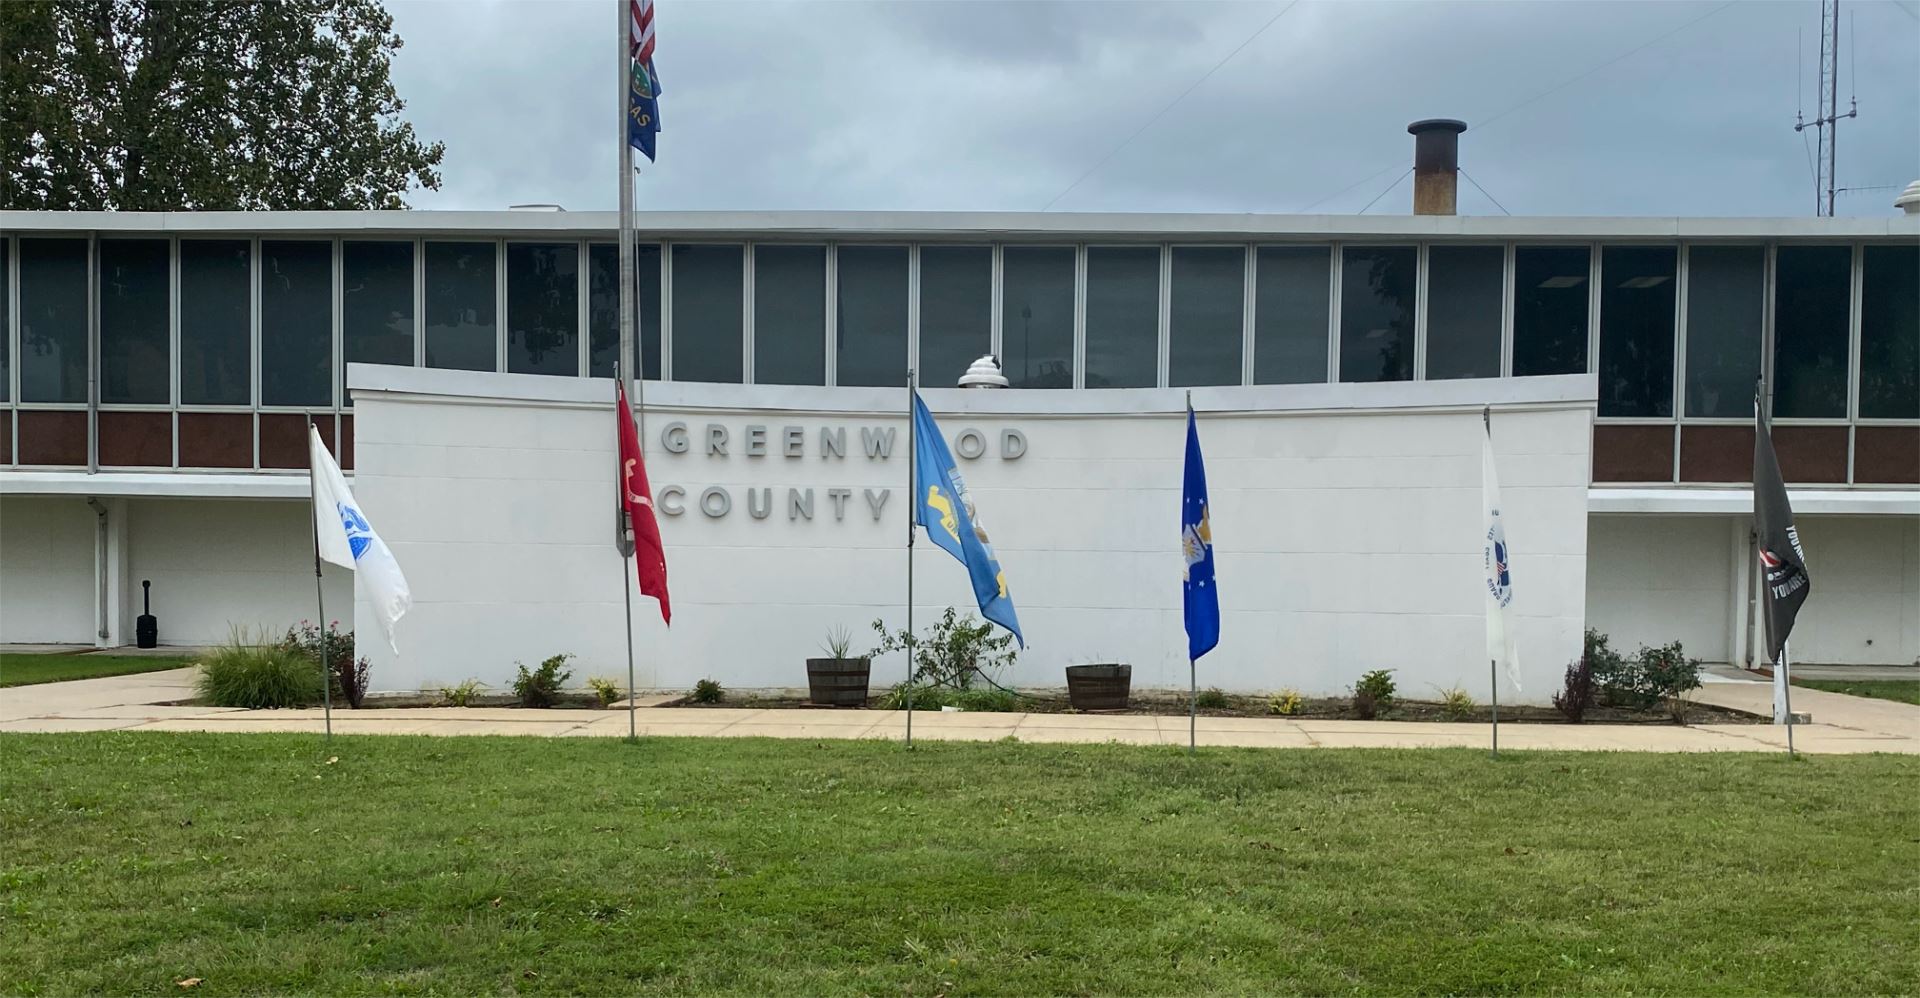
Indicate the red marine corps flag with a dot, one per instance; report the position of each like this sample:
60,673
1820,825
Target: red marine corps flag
636,500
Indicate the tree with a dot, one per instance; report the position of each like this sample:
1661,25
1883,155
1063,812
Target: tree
162,105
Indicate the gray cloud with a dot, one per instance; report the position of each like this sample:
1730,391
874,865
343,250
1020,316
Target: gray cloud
1000,106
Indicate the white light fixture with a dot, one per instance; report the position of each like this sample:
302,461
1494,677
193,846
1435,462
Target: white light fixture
1645,281
1564,281
984,373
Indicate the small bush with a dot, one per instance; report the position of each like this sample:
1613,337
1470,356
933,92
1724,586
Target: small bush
1576,693
1456,704
1286,703
609,691
260,676
348,674
1211,698
541,687
986,701
1374,693
1651,676
925,697
839,643
462,694
954,651
707,691
1668,672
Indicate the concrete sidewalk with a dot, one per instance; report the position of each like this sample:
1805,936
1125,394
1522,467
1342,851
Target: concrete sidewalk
128,703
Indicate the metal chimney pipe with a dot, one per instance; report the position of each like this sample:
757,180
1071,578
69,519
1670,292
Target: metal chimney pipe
1436,164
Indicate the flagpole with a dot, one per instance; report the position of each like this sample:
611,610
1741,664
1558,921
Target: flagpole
319,591
913,455
1787,694
625,546
1493,664
624,366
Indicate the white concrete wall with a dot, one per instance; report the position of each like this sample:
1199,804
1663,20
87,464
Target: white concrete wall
1865,606
221,564
1652,580
1347,539
47,591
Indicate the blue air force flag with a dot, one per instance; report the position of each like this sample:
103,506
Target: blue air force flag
343,536
941,504
1196,546
1499,580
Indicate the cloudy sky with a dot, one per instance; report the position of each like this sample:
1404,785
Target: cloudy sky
1602,108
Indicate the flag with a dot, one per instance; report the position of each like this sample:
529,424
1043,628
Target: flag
1196,546
941,504
636,498
643,86
1494,555
1782,563
342,535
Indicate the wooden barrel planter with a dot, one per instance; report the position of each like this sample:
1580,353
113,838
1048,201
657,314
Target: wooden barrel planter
837,682
1099,687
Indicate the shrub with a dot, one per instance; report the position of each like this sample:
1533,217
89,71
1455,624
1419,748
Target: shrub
1211,698
955,651
541,687
347,673
1576,694
707,691
1456,704
1287,702
985,701
1615,677
239,674
1374,693
839,643
1649,677
609,691
1667,672
462,694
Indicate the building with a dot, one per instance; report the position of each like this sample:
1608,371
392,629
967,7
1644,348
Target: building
160,370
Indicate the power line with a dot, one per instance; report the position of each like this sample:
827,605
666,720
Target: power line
1483,191
1158,114
1909,11
1343,190
1396,183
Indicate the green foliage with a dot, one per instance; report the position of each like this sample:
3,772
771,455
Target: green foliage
30,668
348,674
929,697
1640,682
241,674
1286,703
462,694
608,691
839,643
114,106
955,651
1901,690
1212,698
707,691
541,687
1456,704
1373,695
1576,692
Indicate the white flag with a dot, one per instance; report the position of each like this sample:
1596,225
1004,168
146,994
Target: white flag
345,538
1499,584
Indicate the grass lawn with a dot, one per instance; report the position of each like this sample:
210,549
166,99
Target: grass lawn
467,865
1903,690
17,669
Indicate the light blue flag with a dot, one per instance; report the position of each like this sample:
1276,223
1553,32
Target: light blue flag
941,504
1196,545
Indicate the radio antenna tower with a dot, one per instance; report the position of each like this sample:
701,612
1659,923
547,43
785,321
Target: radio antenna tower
1827,108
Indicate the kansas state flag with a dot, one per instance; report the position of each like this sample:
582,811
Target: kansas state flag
1196,546
941,504
643,108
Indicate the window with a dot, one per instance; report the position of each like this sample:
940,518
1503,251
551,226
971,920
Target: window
135,309
1810,316
1207,306
956,310
1036,316
53,320
6,333
1726,298
376,304
603,308
296,323
790,315
543,308
1292,299
873,315
216,322
707,317
1890,333
1637,293
462,309
1123,316
1376,313
1464,296
1550,309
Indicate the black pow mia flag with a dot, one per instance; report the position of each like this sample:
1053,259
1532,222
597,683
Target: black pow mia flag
1783,565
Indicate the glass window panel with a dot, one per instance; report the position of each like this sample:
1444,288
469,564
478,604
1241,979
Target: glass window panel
1637,292
872,315
1376,312
1123,316
53,320
1890,333
6,331
296,323
1464,295
1036,316
603,308
376,304
1810,315
1292,300
543,308
1550,309
462,307
707,289
790,315
956,310
216,322
135,303
1207,313
1726,302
